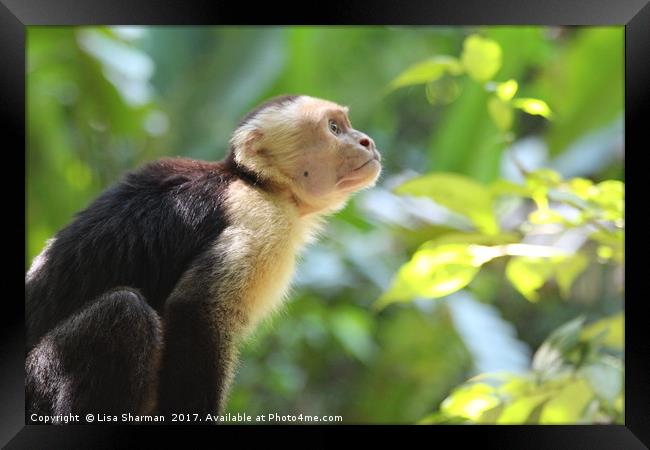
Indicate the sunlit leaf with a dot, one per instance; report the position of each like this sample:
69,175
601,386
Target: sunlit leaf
605,252
607,195
612,242
458,193
505,187
610,197
528,274
427,71
568,270
507,90
612,326
568,405
432,273
533,106
481,57
470,400
516,386
611,189
473,238
543,177
545,216
613,238
501,113
491,415
518,411
556,392
582,188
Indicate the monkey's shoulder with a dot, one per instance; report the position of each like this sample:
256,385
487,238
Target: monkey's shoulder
167,173
143,231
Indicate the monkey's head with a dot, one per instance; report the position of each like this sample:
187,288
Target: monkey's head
308,148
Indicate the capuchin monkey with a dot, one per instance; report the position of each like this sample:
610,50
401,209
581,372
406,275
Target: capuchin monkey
138,305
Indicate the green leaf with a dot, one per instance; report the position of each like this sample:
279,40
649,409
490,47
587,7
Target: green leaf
533,106
481,57
353,330
610,197
434,272
516,386
427,71
501,113
470,401
518,411
442,91
568,405
606,379
505,187
614,238
612,326
582,188
567,271
491,415
543,178
507,90
458,193
544,216
473,238
528,274
438,418
612,242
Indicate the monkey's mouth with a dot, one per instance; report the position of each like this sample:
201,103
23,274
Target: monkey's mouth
362,175
375,157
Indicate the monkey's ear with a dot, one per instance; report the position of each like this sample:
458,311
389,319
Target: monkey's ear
250,145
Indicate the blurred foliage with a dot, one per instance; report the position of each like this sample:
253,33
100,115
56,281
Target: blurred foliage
502,197
576,377
571,380
450,262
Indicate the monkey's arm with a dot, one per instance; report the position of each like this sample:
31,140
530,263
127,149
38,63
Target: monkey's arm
199,352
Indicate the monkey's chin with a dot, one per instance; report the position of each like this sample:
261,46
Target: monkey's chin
364,176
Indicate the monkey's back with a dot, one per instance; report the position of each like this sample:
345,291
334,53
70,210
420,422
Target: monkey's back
142,232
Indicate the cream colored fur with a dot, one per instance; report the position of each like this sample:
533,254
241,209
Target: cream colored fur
260,251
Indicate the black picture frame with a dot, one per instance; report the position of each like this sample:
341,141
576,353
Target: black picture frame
15,15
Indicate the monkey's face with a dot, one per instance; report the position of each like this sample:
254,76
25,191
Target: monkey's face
334,159
309,145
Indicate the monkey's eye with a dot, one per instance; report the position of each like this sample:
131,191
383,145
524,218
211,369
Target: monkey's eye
334,128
